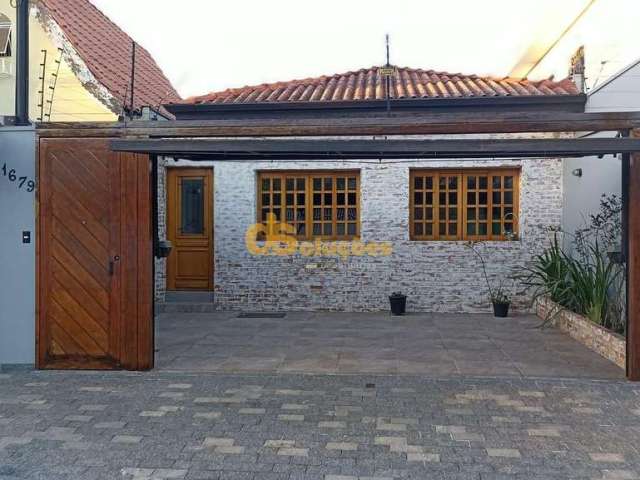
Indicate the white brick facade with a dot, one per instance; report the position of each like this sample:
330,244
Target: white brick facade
441,276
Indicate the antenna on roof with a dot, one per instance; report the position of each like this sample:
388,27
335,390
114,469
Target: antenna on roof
387,71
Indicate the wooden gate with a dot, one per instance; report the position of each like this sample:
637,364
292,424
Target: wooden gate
94,257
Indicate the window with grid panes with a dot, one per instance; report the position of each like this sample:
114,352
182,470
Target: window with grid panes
323,205
464,204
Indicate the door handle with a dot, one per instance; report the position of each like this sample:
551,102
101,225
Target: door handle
112,264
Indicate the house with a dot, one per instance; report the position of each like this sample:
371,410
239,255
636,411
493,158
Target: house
419,214
80,65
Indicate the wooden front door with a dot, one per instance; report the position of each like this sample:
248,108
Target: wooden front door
94,257
190,228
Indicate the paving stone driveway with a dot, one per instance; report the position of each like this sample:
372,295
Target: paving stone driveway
163,425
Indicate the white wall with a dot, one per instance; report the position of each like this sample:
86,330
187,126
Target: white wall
17,259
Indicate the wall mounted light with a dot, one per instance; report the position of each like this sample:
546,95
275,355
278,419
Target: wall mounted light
577,172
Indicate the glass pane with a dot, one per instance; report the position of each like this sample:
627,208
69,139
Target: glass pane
508,198
290,184
265,199
340,229
419,183
453,229
482,229
496,197
482,198
417,198
429,198
352,183
443,183
290,215
327,199
495,228
417,227
508,227
443,229
340,214
328,213
453,183
289,198
443,198
471,198
317,199
429,183
317,228
276,212
192,206
351,229
317,184
300,214
471,183
471,214
508,182
471,228
328,183
300,198
453,198
428,213
340,183
482,213
496,182
443,213
277,199
276,184
300,183
351,214
326,229
317,214
417,213
482,182
453,214
341,198
266,183
428,229
496,213
300,229
265,212
352,198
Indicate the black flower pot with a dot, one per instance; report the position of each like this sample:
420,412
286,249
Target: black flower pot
500,310
398,304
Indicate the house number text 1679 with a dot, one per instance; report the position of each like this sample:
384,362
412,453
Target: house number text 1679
22,182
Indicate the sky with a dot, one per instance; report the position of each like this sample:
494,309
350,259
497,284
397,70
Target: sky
211,45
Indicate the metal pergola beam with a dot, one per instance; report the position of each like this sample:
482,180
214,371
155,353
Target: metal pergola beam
314,149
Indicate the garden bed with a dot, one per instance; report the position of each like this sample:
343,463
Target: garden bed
608,344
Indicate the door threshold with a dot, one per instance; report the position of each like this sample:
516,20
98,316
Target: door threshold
189,296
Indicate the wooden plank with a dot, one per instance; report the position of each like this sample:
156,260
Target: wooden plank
633,265
145,348
314,149
395,124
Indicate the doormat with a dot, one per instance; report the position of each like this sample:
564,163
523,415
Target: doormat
262,315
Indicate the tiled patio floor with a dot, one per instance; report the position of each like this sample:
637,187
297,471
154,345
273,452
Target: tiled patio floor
436,345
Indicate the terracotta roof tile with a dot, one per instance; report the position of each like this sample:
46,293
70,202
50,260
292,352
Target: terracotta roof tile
106,50
368,84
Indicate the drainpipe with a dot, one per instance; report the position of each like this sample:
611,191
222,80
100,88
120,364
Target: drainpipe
22,63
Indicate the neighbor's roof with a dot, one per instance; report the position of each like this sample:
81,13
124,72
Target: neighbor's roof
368,84
106,50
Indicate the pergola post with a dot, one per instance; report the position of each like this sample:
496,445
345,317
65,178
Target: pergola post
631,188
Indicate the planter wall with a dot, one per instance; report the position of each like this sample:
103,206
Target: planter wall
602,341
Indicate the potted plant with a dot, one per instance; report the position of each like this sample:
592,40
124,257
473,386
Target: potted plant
398,303
498,296
500,301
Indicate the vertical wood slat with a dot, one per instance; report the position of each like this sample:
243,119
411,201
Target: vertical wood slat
633,265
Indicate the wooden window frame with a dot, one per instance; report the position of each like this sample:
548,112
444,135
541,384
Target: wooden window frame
308,176
462,205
